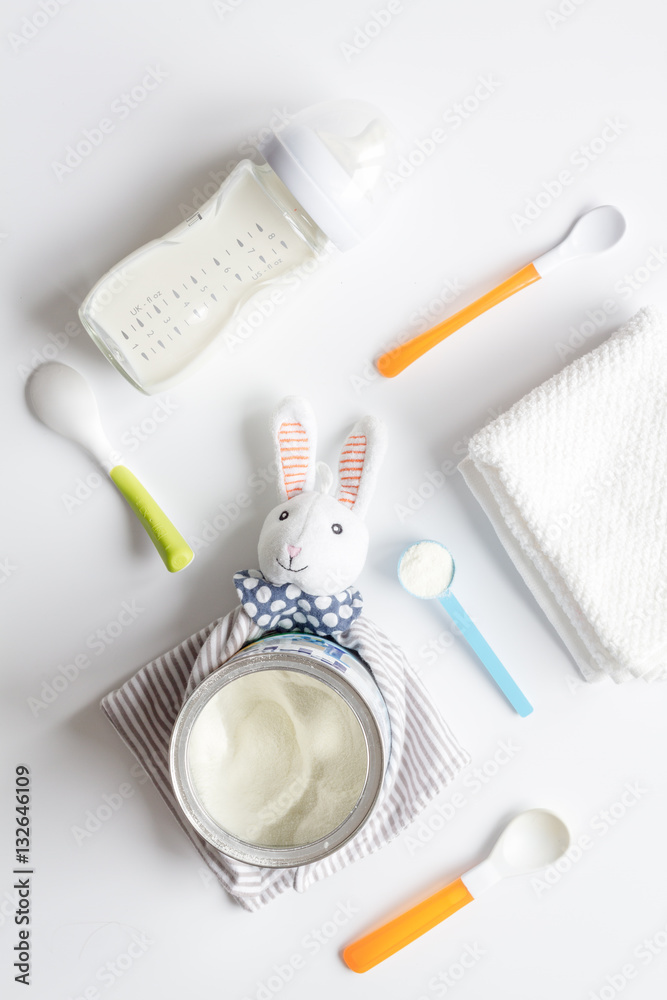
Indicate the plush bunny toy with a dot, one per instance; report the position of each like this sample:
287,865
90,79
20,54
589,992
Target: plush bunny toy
313,545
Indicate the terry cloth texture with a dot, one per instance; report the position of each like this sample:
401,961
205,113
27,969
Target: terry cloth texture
425,756
284,607
574,480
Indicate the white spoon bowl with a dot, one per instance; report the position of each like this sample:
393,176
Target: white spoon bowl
62,399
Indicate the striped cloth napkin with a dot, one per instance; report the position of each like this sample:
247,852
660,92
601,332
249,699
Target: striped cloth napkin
425,756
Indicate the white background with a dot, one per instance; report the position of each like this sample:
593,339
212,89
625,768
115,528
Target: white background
71,563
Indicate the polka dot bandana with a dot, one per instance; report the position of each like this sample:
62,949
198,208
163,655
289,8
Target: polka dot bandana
287,608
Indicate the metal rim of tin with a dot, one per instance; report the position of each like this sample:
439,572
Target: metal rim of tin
223,840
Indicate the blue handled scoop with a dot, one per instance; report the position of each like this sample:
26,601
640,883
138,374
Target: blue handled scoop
426,570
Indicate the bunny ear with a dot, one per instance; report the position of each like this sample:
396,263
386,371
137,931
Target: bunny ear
294,437
360,460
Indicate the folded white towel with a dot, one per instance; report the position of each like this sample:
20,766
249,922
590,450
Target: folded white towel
574,480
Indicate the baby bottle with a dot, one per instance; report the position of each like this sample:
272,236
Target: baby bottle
160,311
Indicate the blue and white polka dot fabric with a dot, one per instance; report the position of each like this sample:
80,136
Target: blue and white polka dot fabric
287,608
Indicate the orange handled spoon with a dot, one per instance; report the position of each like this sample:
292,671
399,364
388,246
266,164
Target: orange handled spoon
530,841
592,233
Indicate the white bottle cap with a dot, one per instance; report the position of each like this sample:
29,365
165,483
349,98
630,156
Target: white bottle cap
334,159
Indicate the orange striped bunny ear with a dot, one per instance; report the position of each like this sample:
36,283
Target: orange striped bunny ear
360,460
295,438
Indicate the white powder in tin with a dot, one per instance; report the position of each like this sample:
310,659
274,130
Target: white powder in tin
277,758
426,569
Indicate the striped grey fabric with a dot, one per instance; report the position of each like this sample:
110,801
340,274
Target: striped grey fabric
425,756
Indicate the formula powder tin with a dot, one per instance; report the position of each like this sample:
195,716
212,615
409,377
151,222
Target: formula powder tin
278,757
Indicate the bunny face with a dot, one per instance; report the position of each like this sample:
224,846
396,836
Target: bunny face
315,542
312,539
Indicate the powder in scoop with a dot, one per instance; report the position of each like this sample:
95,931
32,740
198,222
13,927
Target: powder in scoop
426,569
277,758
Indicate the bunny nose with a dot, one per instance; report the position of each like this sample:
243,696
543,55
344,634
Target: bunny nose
293,551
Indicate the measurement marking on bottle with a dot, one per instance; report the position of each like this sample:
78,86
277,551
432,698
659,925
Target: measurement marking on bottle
202,319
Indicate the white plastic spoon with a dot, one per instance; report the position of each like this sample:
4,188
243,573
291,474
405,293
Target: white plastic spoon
531,840
592,233
63,400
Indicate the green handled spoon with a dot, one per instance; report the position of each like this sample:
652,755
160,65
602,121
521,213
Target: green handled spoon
63,400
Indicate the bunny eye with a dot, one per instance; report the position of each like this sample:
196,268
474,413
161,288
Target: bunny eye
337,529
284,515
